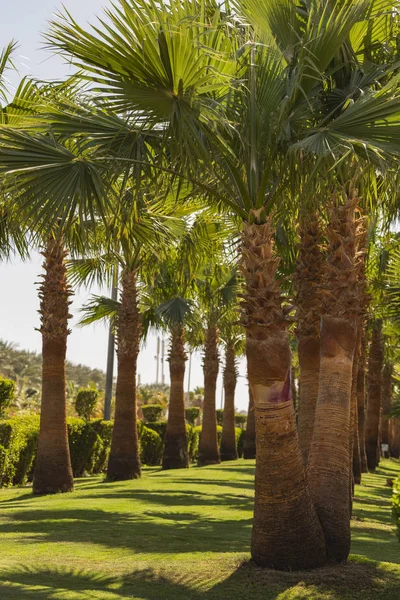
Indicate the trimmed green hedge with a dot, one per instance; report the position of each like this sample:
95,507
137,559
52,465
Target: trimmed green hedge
89,443
396,505
18,443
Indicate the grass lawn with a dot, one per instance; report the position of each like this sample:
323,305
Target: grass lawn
179,535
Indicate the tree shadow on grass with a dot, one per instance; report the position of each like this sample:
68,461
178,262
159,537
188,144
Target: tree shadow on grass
353,581
140,533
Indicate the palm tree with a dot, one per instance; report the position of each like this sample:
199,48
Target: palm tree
308,278
361,404
387,395
374,377
232,337
291,119
249,444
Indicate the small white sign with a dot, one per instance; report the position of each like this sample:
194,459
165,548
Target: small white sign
385,447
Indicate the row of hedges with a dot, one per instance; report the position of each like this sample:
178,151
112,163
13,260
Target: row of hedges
89,443
396,505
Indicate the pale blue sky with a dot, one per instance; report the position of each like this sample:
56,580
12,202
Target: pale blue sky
24,21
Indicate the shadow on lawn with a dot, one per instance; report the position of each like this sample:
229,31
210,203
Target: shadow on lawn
171,533
354,580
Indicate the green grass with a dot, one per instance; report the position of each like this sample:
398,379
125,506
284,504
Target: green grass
179,535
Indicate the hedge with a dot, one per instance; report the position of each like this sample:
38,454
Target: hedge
18,445
396,505
89,443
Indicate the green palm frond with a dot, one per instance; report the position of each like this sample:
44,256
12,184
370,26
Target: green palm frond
52,181
6,63
99,308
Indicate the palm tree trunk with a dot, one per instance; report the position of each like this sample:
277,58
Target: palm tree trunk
53,472
361,402
286,531
329,458
208,448
374,378
124,460
309,308
228,441
249,445
175,455
394,431
387,392
355,471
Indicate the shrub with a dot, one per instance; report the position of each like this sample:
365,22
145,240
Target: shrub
152,412
85,402
193,442
220,415
151,446
240,420
191,414
89,445
7,393
160,427
239,440
18,441
396,505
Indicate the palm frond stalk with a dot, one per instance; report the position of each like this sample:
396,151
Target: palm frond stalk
175,455
308,279
374,382
124,460
387,393
286,531
249,444
53,472
329,458
228,449
208,448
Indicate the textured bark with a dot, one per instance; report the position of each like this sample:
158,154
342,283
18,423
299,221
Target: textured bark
361,402
309,362
124,460
387,392
394,437
175,455
355,467
308,277
329,458
53,472
286,531
249,445
374,378
228,448
208,448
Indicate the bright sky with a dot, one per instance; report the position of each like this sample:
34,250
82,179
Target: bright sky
24,21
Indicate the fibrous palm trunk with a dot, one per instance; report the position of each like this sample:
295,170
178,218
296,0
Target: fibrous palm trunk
249,445
208,448
286,531
374,378
228,448
175,455
53,472
387,391
354,439
394,437
309,309
329,458
124,460
361,402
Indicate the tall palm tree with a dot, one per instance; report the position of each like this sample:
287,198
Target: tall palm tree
249,444
374,377
308,280
233,339
279,124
